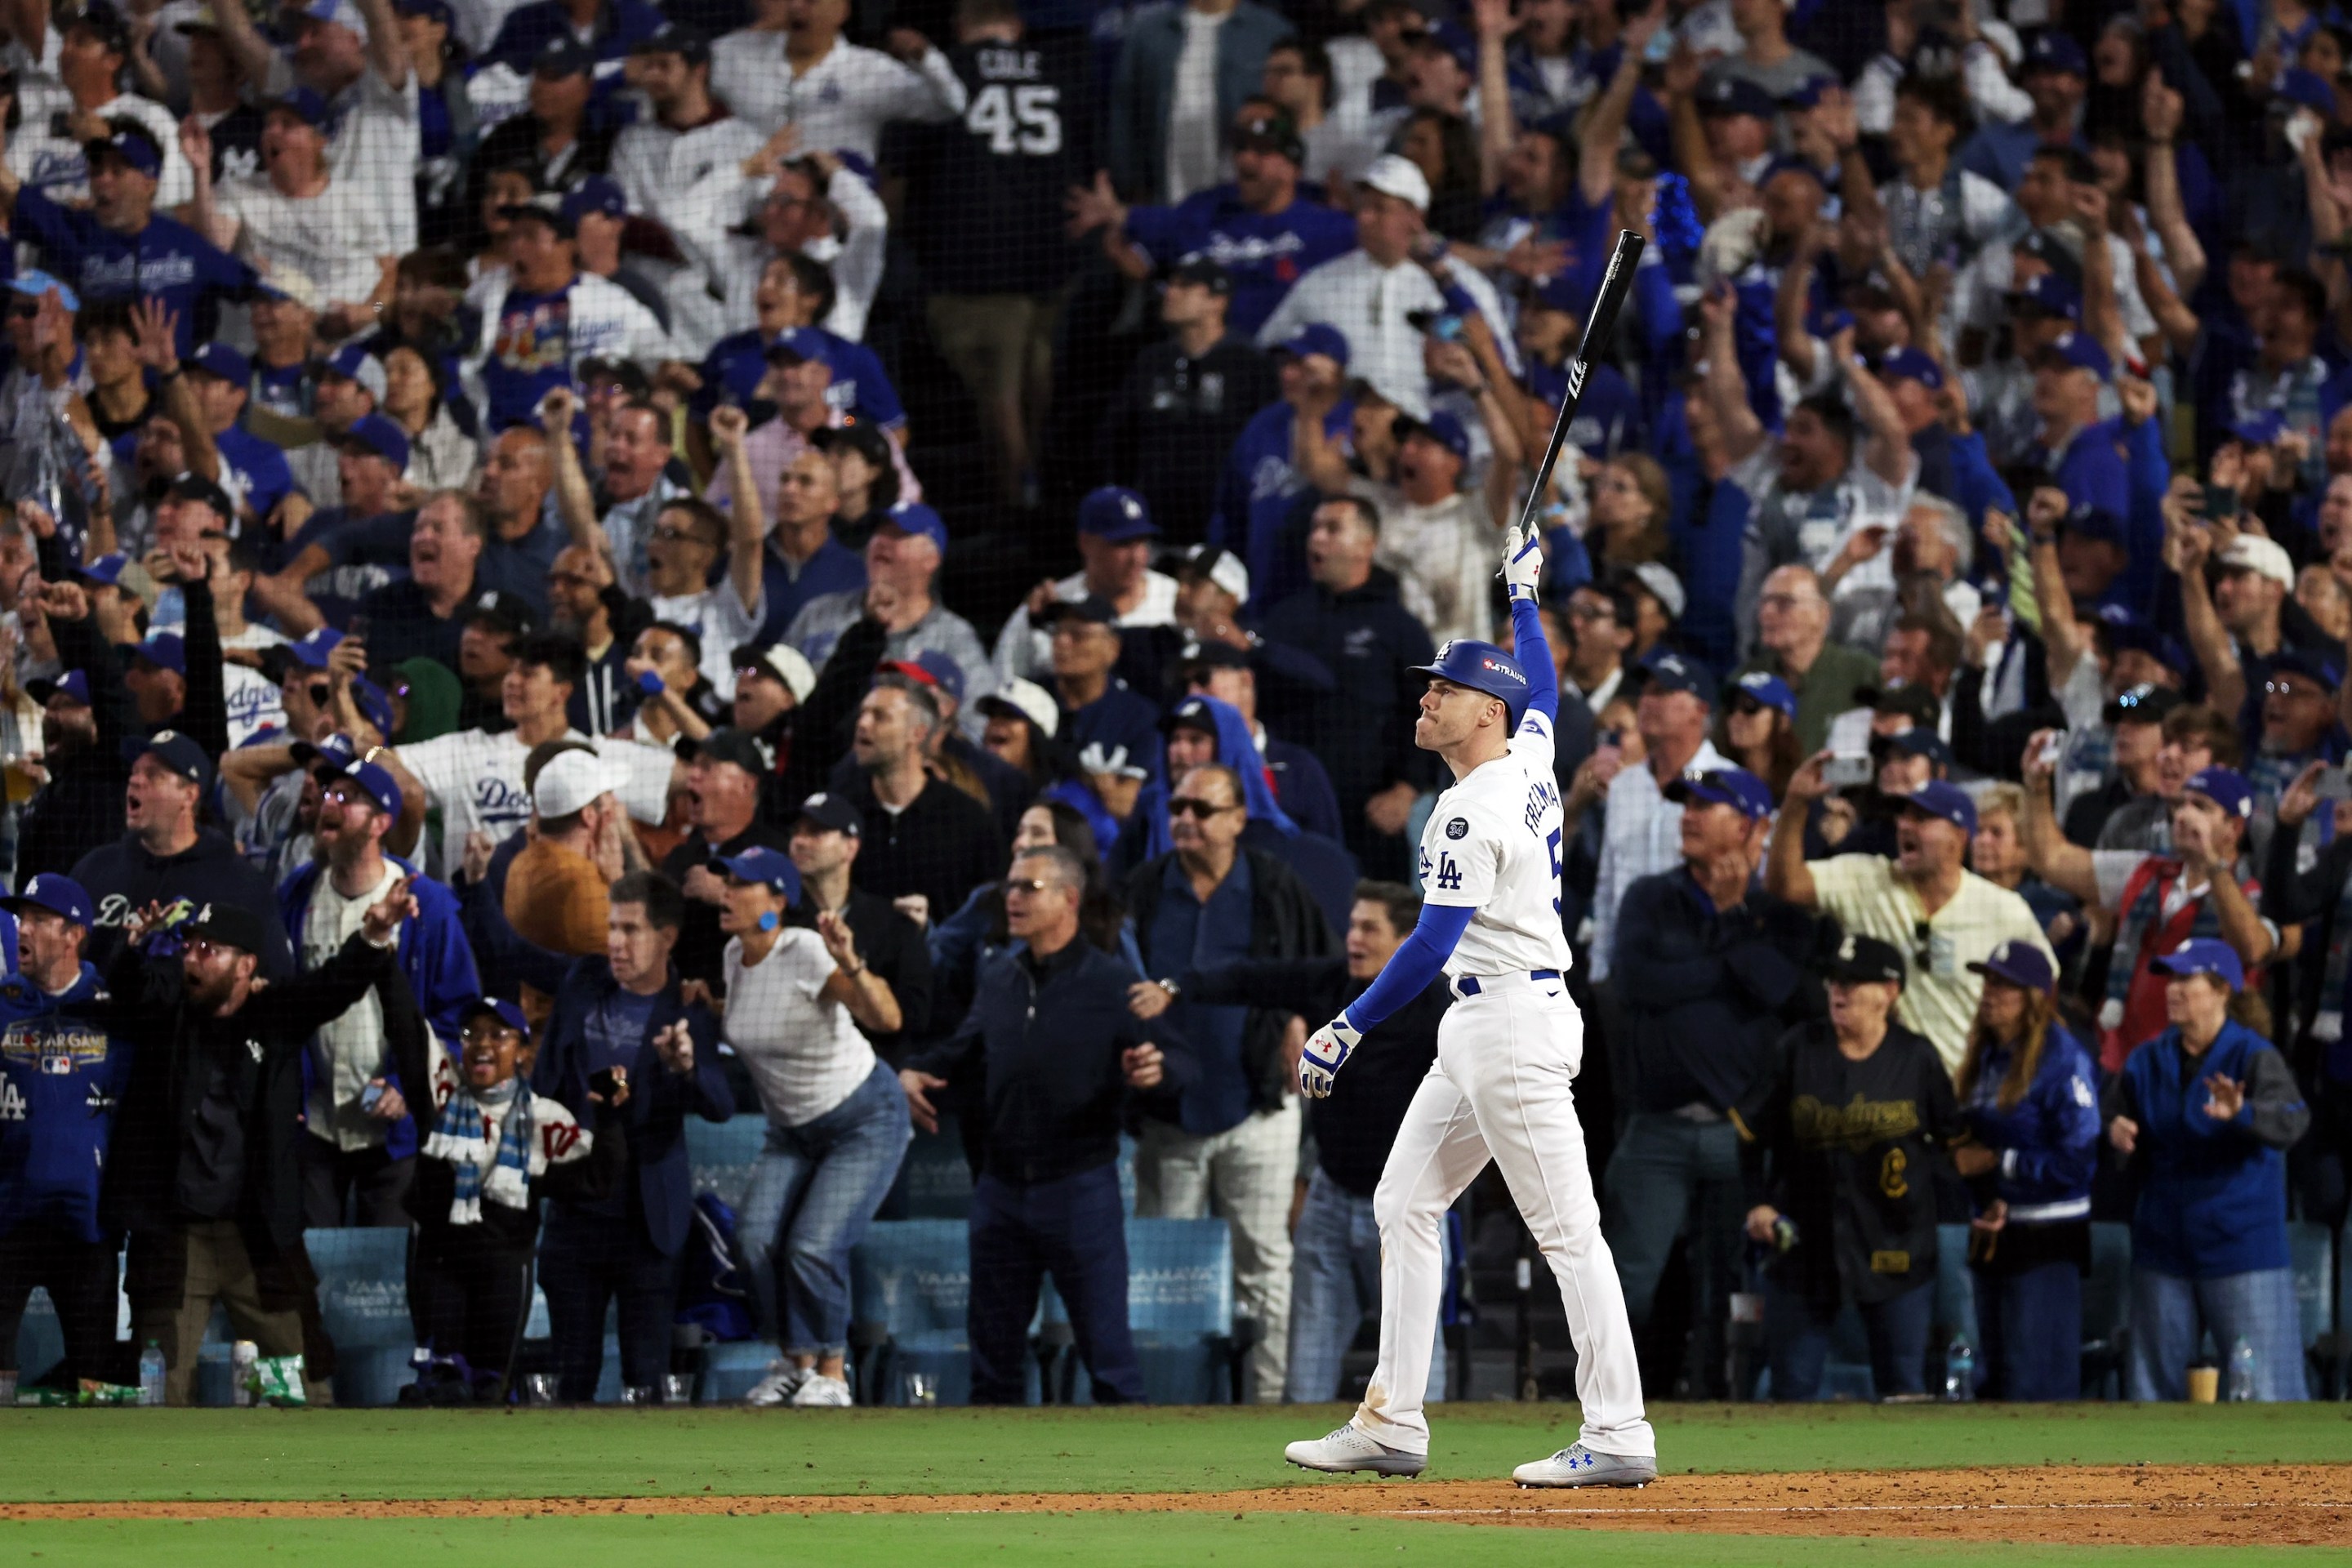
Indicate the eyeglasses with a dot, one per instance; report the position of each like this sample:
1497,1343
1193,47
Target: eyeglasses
2289,688
1199,808
1585,612
1028,885
347,795
1923,948
478,1035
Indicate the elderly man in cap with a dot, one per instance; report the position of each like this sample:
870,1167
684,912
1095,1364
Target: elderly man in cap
2159,901
1642,826
1117,534
118,247
204,1168
1098,710
550,316
722,812
1942,916
1184,401
902,568
62,1079
361,1148
1437,534
1370,293
1711,970
165,859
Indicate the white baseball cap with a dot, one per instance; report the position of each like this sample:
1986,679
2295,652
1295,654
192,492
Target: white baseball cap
1220,567
1663,586
1028,700
784,661
570,781
2252,552
1399,177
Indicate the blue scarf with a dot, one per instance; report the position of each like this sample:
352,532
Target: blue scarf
501,1170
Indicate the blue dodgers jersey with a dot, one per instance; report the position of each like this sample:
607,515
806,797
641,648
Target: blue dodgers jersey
60,1077
1265,253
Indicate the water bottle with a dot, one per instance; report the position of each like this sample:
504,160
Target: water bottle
151,1374
242,1358
2243,1368
1959,1371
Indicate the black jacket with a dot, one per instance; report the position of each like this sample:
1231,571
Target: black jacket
1856,1148
1706,994
125,877
1363,734
259,1048
942,847
1174,420
894,947
1357,1123
1285,922
1042,1047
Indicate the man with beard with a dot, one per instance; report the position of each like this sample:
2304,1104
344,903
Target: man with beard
269,802
201,1172
363,1139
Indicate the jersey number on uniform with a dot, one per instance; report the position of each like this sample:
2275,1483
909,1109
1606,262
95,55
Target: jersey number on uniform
1551,842
1017,119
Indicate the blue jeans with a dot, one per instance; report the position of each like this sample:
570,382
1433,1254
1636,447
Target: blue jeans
1669,1178
1797,1341
2169,1316
809,1199
1076,1230
2031,1324
1334,1274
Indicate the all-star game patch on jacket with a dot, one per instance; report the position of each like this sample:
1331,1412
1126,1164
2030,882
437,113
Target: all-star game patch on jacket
60,1078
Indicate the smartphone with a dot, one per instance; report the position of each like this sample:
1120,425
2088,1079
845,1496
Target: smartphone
1442,325
1609,738
371,1097
1847,770
606,1085
2051,749
2220,500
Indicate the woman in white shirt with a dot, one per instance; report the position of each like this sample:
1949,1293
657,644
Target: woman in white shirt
837,1122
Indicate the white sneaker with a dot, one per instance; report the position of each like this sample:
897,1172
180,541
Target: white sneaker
818,1391
784,1381
1353,1448
1577,1465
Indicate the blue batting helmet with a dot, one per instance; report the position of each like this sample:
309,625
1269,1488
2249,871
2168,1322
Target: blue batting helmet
1482,666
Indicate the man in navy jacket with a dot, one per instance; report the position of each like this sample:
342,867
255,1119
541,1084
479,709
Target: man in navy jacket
1046,1058
624,1014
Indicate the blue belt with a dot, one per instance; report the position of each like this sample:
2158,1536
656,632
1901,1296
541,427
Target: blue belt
1468,985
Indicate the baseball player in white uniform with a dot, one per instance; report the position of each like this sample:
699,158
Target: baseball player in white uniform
1508,1052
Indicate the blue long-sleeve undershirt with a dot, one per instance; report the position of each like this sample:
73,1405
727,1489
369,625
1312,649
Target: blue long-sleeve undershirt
1418,960
1534,654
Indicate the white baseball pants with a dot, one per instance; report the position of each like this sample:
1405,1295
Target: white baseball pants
1500,1090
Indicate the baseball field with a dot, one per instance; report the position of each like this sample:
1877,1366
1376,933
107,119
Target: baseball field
1829,1487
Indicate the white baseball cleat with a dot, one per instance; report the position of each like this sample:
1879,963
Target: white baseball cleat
1577,1465
1353,1448
783,1380
818,1391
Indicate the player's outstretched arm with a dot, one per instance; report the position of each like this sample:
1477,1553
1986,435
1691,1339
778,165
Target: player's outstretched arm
1522,567
1419,960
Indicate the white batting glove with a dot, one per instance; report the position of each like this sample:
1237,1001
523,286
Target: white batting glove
1327,1052
1523,561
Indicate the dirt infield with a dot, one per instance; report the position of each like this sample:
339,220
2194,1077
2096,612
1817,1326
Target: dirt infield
2253,1505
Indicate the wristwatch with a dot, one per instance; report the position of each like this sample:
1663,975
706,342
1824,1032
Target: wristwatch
1174,991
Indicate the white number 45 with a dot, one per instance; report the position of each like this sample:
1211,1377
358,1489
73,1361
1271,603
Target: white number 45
1017,119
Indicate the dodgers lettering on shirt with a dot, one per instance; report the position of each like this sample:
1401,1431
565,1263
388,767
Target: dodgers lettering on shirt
1266,253
530,355
165,261
738,362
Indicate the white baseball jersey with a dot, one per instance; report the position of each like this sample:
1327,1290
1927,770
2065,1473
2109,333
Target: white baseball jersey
1493,844
475,780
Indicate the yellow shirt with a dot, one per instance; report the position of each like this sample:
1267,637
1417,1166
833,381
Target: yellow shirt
1939,990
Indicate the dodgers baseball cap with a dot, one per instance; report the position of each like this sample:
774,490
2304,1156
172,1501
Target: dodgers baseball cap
1441,427
2202,956
1944,801
1737,95
916,520
2146,703
1317,338
73,686
1732,786
219,359
1482,666
2048,294
53,891
779,662
1863,960
546,207
1919,740
834,813
164,650
376,435
507,1013
798,346
129,144
312,649
373,781
772,867
1019,699
2311,666
353,362
231,925
331,752
373,705
177,753
564,56
2019,963
2225,787
2053,50
2079,351
1908,363
33,283
1766,691
106,570
597,195
1116,515
688,42
1670,672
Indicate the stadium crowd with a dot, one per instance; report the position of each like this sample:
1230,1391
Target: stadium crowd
581,564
